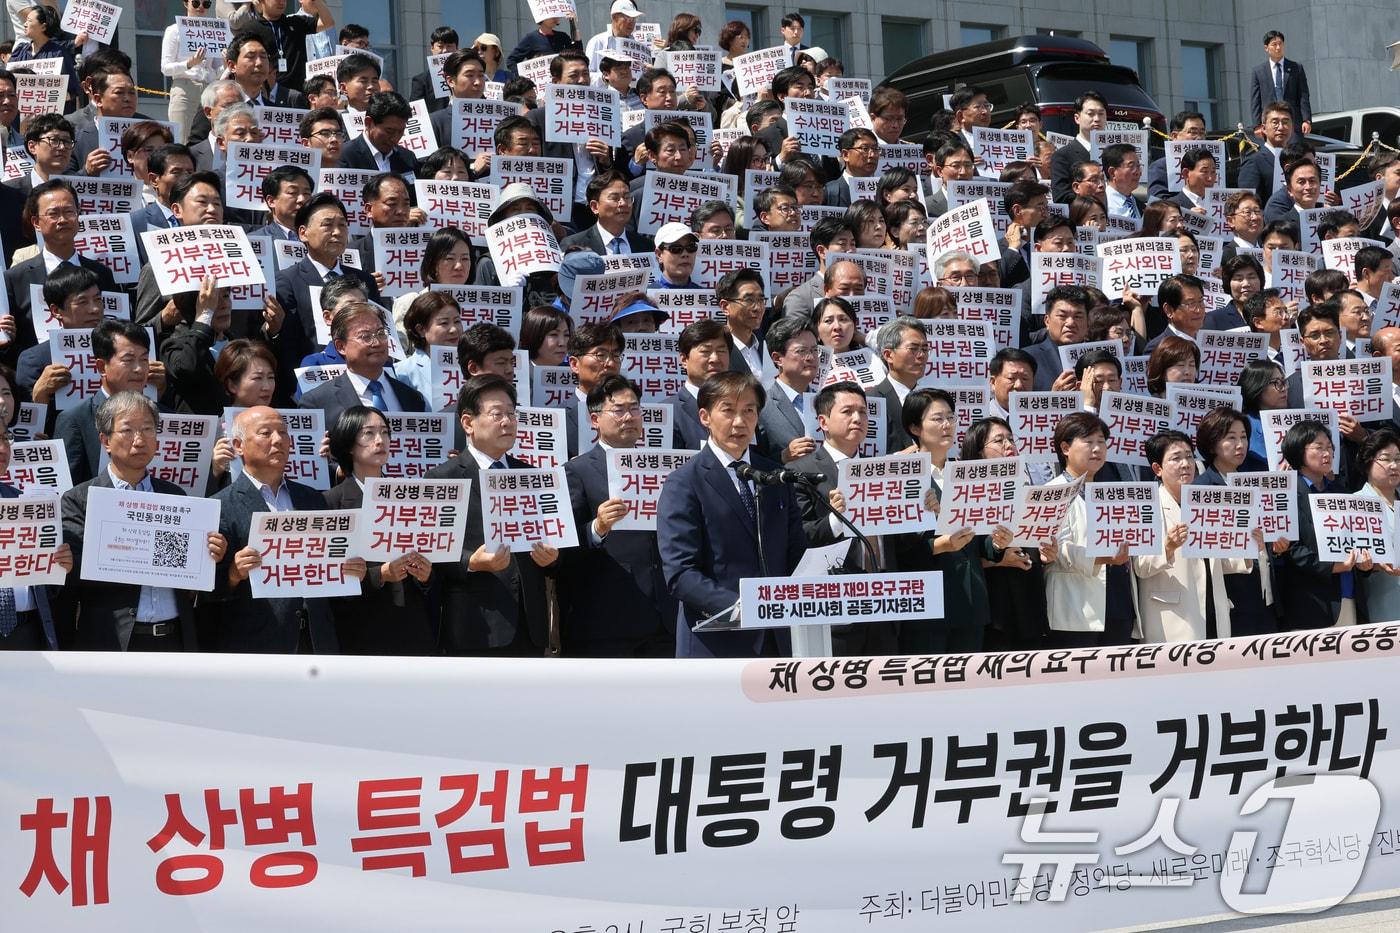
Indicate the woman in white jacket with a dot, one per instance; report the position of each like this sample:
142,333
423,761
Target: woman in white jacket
188,74
1091,600
1180,598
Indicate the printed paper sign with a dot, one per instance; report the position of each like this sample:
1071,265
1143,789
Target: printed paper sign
1051,270
667,198
1340,253
31,530
1140,264
716,258
994,149
1132,420
427,517
1276,423
817,123
1191,403
1220,521
552,386
184,451
885,495
108,239
521,508
462,204
1278,502
1040,513
210,34
860,365
653,364
576,113
73,349
1033,419
307,427
1098,139
1070,353
182,257
551,179
109,137
698,69
249,163
522,245
474,123
441,89
149,539
398,256
979,494
1343,524
40,94
774,602
1178,148
540,436
541,10
1225,354
303,554
1122,513
1288,270
447,378
959,352
968,228
636,477
697,120
754,71
348,185
1364,201
842,88
969,191
418,442
105,195
684,306
97,19
1360,387
38,467
999,307
596,298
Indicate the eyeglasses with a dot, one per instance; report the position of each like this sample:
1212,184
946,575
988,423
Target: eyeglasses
1322,335
59,214
330,134
148,431
674,150
373,434
1323,448
918,349
624,411
1248,212
746,300
785,208
1279,384
372,336
804,353
57,142
960,166
866,149
604,357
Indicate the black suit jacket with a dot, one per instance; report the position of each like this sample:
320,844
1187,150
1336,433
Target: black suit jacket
592,238
77,428
422,89
837,193
18,280
1257,172
263,626
339,394
1062,170
357,154
105,613
1295,92
294,286
1308,594
483,611
626,566
896,438
690,434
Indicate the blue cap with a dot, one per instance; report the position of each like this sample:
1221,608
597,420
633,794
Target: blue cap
638,307
579,262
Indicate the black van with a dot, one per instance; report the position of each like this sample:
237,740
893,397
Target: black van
1050,71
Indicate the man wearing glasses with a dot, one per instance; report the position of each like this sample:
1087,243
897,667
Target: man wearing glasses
860,154
49,140
1182,300
954,162
362,338
903,348
741,299
970,108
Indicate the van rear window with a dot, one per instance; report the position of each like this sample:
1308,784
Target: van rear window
1063,82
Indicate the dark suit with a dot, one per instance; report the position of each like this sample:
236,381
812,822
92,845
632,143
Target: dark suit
896,438
637,616
1257,172
489,613
203,153
708,544
26,637
1308,594
1157,183
1281,206
398,618
357,154
593,238
1295,92
77,428
1225,318
85,140
1062,165
275,231
264,626
689,432
150,217
422,89
105,613
283,96
779,423
14,233
936,204
1047,363
339,394
294,286
18,280
838,193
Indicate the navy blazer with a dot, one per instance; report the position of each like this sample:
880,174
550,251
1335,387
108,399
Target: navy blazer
1280,206
1157,184
275,231
779,423
1062,170
339,394
592,238
38,593
1257,172
357,154
77,428
626,566
294,286
18,280
1295,92
264,626
1047,363
690,434
708,544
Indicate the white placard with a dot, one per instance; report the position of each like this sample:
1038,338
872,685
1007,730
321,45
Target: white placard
398,257
31,531
208,33
1342,524
1040,513
303,554
668,198
968,228
182,257
754,71
474,123
1138,263
1359,387
149,539
38,467
1177,148
522,245
636,477
551,179
99,20
1131,420
540,436
307,427
521,508
418,442
1122,513
1033,419
995,148
1220,521
414,516
1278,502
577,113
249,163
885,495
1225,354
979,494
818,124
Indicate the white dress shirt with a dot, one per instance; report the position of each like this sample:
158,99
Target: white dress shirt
279,501
1121,205
725,461
361,384
156,603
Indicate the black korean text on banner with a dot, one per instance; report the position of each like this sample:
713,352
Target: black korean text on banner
540,437
307,427
995,148
1132,420
249,163
1191,403
419,516
1220,521
1118,514
1225,354
959,352
1040,513
31,530
576,113
636,477
885,495
1278,502
182,257
522,508
398,256
1139,265
303,554
1346,523
522,245
465,205
1033,419
968,228
1051,270
552,179
1276,423
1359,387
418,442
1000,307
979,494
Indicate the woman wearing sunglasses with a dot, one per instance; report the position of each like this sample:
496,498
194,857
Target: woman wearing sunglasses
188,74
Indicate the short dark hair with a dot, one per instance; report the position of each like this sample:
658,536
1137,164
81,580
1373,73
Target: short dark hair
385,104
1094,358
784,330
1073,427
793,19
1213,428
826,398
609,385
320,84
1331,222
481,339
68,280
437,160
45,123
1170,291
444,34
319,115
1048,226
1271,35
1328,311
469,399
242,38
695,334
1010,355
439,245
1071,293
1087,97
374,187
538,323
1113,156
345,433
591,336
729,385
421,311
1194,157
648,78
976,437
185,183
1371,448
105,334
1322,282
787,77
1172,351
352,31
315,203
160,159
1295,443
31,203
854,137
917,402
828,229
1253,380
671,129
728,287
274,180
1156,446
355,63
600,181
964,96
1022,193
1369,259
512,125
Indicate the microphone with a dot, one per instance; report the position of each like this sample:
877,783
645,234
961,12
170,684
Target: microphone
746,472
775,477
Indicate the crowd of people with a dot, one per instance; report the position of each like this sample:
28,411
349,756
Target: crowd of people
757,374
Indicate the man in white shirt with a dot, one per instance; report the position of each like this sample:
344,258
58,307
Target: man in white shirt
622,20
1122,170
792,27
740,295
1090,113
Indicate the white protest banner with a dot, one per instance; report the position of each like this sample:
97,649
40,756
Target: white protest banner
878,270
1200,224
1387,310
812,214
1122,513
551,179
1308,221
843,88
684,306
1288,270
281,126
1070,353
885,495
73,349
38,66
1050,270
1220,521
959,352
636,477
699,69
418,442
251,297
398,256
817,123
149,538
38,467
667,198
540,436
1360,387
309,377
327,66
307,427
999,307
858,114
1131,420
979,494
541,10
303,554
413,516
441,89
653,364
105,195
860,365
465,205
973,403
1225,354
658,428
1277,421
754,71
474,123
182,257
495,90
1214,204
31,530
576,113
108,238
522,245
901,156
1098,139
184,451
968,191
109,137
756,180
1340,253
18,162
596,297
790,257
1040,512
780,602
1033,419
249,163
491,304
552,386
418,135
1290,344
1176,148
995,148
97,19
1135,374
1191,403
348,185
872,312
446,378
1278,502
1364,201
715,258
39,94
521,508
697,120
29,421
1343,524
209,34
968,228
1138,263
535,70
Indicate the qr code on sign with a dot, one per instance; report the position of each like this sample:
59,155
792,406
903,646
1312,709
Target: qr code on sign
172,549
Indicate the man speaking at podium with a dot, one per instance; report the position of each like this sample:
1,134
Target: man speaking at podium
707,525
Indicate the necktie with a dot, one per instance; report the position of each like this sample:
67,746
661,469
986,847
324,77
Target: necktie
1130,203
797,401
1278,81
498,465
617,246
9,620
746,494
376,396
